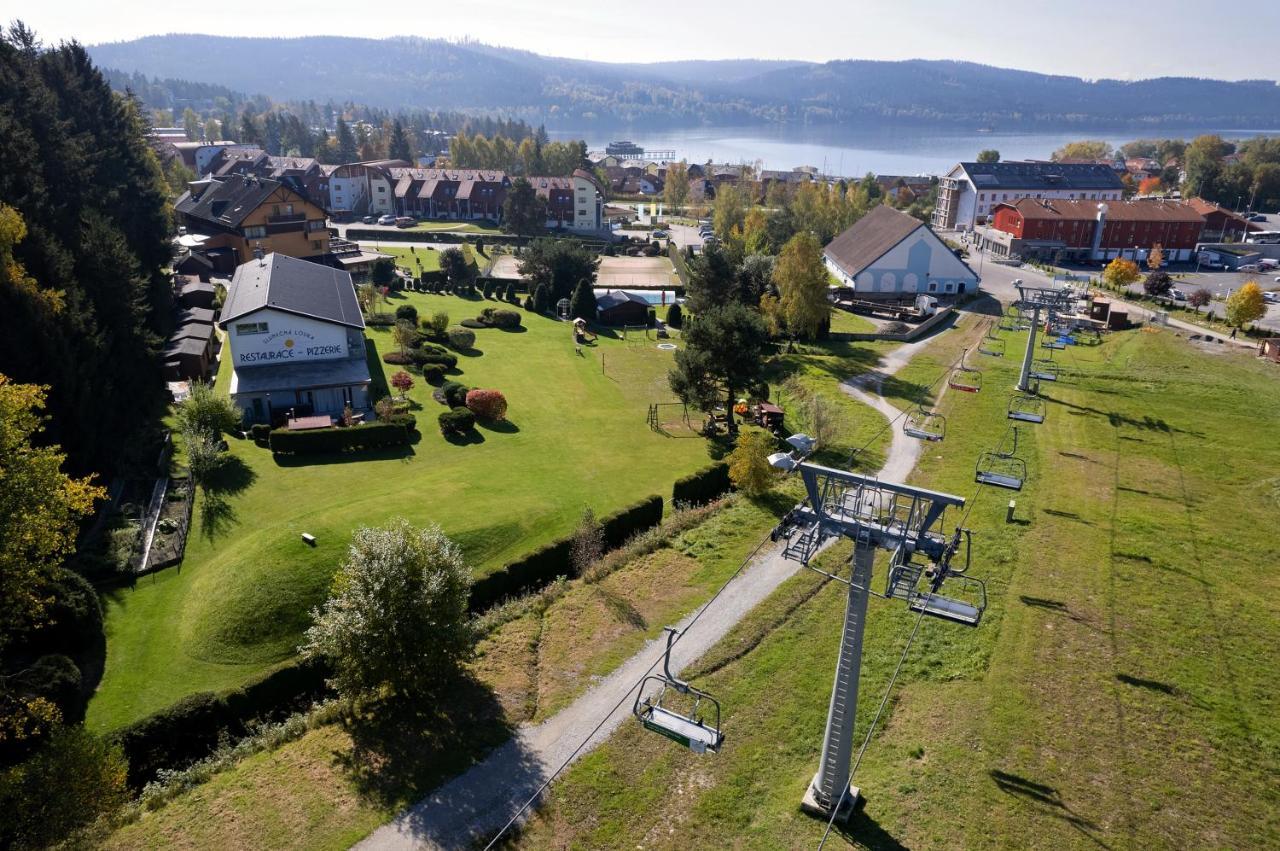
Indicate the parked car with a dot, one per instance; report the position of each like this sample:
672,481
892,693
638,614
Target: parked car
387,220
1178,295
1272,297
660,234
368,220
406,222
1256,217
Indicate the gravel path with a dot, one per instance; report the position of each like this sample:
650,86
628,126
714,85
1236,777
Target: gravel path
476,804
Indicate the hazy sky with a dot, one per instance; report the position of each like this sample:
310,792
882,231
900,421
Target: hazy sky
1088,38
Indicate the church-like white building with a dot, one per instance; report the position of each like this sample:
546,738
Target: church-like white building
888,254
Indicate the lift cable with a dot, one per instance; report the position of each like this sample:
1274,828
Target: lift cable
567,760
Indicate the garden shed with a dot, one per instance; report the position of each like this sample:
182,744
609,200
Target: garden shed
619,307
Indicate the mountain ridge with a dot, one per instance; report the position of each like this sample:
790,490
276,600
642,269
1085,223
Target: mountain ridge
413,72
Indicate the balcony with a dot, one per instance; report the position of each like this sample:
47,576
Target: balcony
286,218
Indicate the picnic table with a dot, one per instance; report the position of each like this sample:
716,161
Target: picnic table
306,423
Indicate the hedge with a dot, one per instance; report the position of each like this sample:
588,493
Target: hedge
456,421
703,486
544,564
380,320
369,436
190,729
423,356
433,372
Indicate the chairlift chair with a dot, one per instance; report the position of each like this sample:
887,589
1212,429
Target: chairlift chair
993,346
923,424
1045,370
654,714
965,378
905,577
1001,469
1027,409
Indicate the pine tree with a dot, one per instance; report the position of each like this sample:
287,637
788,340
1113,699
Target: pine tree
583,303
399,147
347,151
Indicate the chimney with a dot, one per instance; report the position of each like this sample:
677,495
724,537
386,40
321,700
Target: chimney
1097,232
257,253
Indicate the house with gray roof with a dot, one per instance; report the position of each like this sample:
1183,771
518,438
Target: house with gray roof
889,255
296,340
969,193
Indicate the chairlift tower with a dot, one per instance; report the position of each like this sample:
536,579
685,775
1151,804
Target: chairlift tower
1049,299
874,514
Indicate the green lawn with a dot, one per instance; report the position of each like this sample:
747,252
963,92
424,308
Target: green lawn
237,605
1119,693
457,227
851,323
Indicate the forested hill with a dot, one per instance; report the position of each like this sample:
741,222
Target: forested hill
411,72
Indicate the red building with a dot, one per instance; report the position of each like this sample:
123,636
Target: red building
1042,227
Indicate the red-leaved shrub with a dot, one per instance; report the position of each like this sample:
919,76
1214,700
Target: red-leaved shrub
487,404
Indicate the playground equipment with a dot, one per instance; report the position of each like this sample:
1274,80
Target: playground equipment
562,308
636,334
965,378
657,713
1027,409
671,419
924,424
874,514
1000,468
581,334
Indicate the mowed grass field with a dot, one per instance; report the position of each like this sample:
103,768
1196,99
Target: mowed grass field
239,602
1119,693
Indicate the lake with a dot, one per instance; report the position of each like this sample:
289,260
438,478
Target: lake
854,151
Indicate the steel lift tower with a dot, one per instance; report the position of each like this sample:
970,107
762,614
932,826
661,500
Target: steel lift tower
1052,300
874,515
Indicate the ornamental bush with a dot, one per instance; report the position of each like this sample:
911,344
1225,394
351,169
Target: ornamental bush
408,313
487,404
675,316
462,338
433,373
398,359
456,421
506,319
424,356
454,394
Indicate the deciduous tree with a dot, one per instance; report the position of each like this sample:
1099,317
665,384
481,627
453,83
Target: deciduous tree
207,410
990,155
402,381
1155,257
1157,283
1085,150
587,544
676,190
561,264
1245,305
1199,298
523,211
802,283
1120,273
396,619
749,467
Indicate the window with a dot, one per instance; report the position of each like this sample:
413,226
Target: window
382,189
255,232
315,243
244,329
314,225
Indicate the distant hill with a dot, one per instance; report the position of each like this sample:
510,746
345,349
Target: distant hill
412,72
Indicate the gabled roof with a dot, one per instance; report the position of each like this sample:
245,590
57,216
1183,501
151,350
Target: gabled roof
1060,209
870,238
1041,175
226,201
293,286
614,298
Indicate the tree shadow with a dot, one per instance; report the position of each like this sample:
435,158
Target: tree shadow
499,426
471,352
231,478
377,378
862,829
404,748
1149,685
467,438
359,456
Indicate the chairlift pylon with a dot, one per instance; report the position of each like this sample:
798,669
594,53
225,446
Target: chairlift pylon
655,712
1027,409
924,424
1001,469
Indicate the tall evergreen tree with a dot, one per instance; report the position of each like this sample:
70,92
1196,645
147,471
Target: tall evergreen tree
399,147
347,151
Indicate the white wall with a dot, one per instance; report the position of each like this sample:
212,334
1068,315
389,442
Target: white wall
382,198
586,206
921,263
978,203
347,193
288,339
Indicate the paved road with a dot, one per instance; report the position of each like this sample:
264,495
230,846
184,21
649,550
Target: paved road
478,803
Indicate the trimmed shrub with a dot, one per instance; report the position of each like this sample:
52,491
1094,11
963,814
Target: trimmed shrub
626,523
675,316
487,404
380,320
260,432
397,359
462,338
703,486
454,394
57,679
456,421
424,356
487,291
407,313
473,323
505,319
528,303
433,372
379,435
511,292
190,729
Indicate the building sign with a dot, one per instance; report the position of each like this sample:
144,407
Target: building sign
290,345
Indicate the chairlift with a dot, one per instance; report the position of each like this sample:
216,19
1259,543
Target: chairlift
923,424
655,711
965,378
993,346
969,599
1052,343
1045,370
1027,409
1002,469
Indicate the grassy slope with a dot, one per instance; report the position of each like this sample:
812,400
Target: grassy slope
308,794
1118,692
240,600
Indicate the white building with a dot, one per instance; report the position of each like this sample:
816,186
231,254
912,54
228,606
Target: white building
888,254
296,340
970,191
